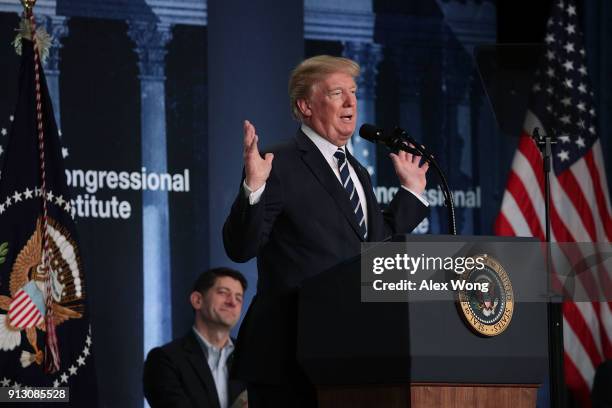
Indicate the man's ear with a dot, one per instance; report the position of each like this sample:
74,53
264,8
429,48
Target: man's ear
196,300
304,108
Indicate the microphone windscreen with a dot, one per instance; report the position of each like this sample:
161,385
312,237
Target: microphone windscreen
370,132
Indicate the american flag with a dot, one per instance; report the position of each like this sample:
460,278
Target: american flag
562,103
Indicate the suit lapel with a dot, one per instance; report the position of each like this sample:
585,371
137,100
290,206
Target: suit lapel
197,359
315,161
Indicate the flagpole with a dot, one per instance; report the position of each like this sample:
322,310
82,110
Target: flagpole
51,355
555,311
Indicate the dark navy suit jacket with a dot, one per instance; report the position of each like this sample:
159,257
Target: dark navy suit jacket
302,226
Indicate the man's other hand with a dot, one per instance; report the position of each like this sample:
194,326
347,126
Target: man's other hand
410,174
257,169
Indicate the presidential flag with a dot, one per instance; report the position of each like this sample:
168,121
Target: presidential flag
45,335
562,103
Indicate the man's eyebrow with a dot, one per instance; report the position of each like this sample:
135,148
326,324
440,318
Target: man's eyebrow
339,88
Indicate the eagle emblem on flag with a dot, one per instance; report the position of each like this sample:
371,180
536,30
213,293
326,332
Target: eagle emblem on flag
25,307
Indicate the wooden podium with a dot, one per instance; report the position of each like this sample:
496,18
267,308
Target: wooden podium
432,395
422,354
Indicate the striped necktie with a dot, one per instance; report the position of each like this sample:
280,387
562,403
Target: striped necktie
347,183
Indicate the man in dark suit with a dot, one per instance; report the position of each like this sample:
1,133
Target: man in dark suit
193,371
302,208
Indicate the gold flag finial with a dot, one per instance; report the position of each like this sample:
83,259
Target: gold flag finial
28,5
26,31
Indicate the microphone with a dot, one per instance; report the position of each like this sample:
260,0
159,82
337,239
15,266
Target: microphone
398,139
371,133
395,139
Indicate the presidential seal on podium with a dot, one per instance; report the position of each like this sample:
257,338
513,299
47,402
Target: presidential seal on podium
487,310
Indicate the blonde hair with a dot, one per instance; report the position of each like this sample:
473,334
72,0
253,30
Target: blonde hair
312,70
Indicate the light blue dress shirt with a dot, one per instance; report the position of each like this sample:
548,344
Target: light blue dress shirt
217,361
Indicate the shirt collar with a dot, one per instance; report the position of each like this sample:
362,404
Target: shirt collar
326,148
206,346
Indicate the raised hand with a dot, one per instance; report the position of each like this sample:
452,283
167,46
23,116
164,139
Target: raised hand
410,174
257,169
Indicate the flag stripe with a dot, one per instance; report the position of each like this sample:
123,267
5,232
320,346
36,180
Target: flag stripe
24,315
523,202
575,196
574,347
530,152
603,339
572,221
582,174
600,196
577,378
601,170
33,320
514,216
560,266
528,165
576,316
606,324
22,302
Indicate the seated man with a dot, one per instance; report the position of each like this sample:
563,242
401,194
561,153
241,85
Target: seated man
193,371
